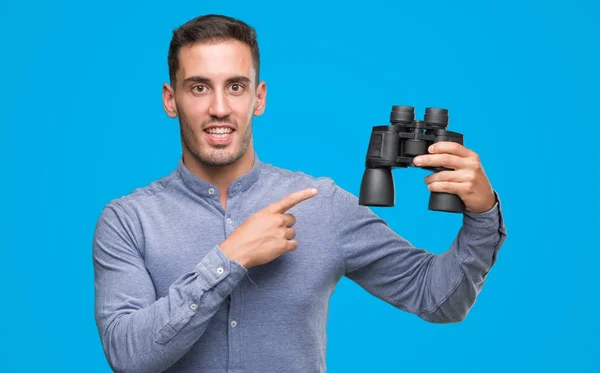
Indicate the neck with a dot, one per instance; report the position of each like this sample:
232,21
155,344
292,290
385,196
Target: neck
220,176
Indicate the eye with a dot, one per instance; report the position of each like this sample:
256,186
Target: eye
198,88
237,88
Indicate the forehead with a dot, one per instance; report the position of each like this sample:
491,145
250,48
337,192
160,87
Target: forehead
218,60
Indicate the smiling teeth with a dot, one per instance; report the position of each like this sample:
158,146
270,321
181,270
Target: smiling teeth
219,130
220,135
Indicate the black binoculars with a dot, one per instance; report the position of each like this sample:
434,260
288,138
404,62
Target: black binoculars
395,146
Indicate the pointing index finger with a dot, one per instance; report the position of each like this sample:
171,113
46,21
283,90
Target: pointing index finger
292,200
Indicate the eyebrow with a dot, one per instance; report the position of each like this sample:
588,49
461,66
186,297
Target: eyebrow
202,79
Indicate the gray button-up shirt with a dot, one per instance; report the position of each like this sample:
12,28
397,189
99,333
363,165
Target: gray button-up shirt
168,299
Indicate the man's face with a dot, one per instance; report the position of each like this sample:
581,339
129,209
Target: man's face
215,98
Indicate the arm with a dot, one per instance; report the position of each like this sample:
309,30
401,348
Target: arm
438,288
140,333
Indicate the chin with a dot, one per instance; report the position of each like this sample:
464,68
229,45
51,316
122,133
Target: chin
220,156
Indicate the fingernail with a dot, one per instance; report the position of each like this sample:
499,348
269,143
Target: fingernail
417,160
313,191
431,149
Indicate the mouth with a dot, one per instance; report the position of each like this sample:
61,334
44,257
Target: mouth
219,135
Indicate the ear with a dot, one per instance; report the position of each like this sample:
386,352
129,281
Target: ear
168,97
261,99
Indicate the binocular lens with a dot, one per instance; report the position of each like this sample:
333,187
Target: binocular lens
377,187
447,202
436,116
402,114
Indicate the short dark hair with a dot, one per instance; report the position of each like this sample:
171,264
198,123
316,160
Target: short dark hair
211,28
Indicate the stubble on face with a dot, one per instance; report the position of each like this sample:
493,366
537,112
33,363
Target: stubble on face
215,155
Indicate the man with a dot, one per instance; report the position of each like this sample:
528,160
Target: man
228,263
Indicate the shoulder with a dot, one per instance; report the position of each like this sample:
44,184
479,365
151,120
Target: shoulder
142,196
296,180
120,219
331,198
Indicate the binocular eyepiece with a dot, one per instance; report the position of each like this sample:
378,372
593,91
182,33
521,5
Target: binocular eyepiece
395,146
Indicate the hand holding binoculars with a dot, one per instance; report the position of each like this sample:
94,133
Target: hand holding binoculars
395,146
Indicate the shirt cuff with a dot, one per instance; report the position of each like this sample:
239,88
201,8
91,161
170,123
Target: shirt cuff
490,220
220,272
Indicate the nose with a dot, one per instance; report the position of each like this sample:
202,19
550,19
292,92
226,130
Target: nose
219,107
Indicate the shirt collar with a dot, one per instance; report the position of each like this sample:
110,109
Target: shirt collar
204,188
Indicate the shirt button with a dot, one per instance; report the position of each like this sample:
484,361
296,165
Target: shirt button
220,270
211,191
233,324
228,221
193,306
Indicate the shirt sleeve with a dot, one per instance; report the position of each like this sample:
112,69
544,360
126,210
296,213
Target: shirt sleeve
439,288
140,333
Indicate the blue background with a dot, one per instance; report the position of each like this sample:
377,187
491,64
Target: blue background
82,123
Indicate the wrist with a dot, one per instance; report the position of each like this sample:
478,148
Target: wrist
229,253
